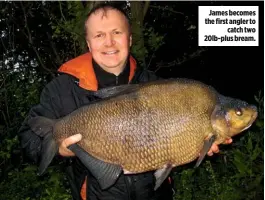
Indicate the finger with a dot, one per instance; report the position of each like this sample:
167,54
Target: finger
228,141
210,153
72,140
215,148
65,152
216,151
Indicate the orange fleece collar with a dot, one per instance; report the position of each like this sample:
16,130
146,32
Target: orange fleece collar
81,68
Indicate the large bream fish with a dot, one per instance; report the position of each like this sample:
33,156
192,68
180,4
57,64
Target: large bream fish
152,126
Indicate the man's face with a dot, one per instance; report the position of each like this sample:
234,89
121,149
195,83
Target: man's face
108,39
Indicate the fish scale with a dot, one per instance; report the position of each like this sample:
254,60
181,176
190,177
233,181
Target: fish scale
149,127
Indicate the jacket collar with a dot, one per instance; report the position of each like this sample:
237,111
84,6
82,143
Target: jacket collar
81,67
106,79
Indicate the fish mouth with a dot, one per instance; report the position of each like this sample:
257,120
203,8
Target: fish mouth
246,127
252,119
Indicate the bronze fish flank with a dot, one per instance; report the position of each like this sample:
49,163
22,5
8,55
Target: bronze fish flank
152,126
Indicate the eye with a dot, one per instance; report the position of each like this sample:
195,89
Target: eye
117,32
99,35
238,112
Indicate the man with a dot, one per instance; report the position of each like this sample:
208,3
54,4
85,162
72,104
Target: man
109,63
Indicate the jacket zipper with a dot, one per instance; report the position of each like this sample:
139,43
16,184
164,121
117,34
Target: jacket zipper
117,80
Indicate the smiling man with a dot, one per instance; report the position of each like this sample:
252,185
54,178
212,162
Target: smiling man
109,39
108,63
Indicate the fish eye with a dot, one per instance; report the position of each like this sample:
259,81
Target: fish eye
238,112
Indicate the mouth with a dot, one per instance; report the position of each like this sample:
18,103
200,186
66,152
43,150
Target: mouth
110,52
253,118
250,124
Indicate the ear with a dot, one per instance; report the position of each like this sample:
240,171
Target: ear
130,40
88,45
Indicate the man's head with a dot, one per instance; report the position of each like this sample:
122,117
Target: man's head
108,37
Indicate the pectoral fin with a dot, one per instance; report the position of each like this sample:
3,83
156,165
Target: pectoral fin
105,173
161,175
206,147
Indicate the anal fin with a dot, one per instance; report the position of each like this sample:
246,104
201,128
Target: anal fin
105,173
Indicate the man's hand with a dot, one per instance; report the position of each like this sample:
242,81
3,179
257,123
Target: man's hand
215,148
63,150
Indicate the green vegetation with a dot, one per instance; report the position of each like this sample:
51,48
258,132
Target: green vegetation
236,173
37,37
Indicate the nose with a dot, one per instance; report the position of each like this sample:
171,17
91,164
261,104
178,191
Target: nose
109,40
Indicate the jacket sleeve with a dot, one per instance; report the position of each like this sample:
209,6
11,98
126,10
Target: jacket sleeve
30,142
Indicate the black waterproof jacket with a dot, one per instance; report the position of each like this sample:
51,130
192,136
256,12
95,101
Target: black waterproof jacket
73,88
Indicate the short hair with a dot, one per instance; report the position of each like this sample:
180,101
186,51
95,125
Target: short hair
105,6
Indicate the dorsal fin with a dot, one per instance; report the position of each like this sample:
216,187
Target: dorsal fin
116,90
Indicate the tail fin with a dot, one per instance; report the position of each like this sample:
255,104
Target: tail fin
44,127
49,150
41,125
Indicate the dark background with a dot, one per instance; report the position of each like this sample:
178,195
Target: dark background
235,71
